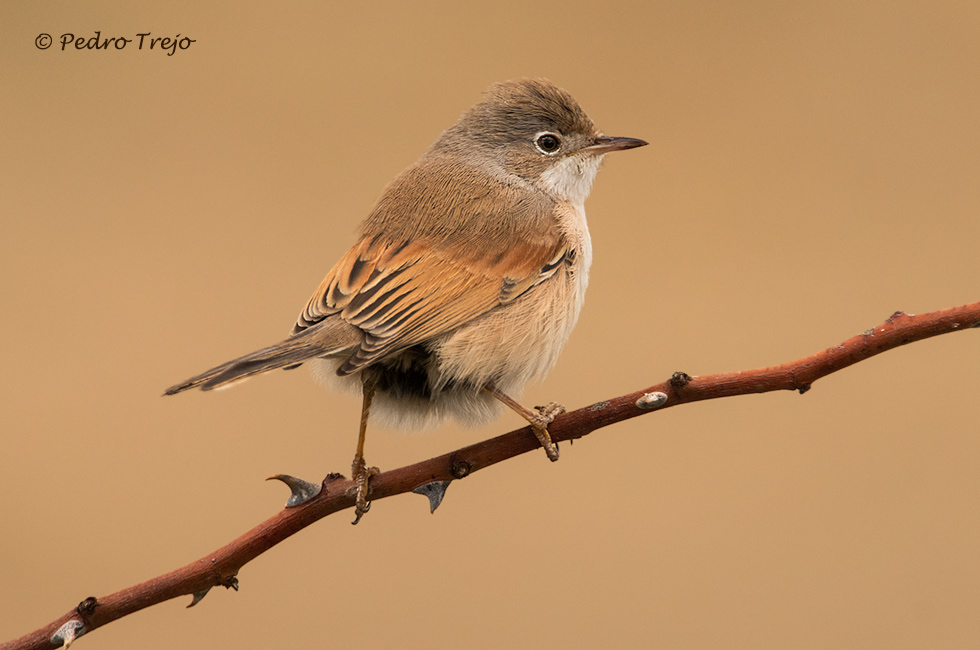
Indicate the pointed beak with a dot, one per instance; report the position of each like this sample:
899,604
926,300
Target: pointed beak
604,144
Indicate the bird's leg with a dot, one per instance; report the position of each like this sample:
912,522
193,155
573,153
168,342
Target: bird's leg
360,472
539,418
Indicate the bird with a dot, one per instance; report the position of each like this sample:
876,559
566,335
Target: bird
466,278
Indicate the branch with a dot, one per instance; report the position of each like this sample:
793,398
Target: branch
221,567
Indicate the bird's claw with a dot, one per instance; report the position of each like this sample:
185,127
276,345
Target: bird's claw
545,416
362,478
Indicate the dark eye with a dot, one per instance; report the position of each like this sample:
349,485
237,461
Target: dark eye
547,143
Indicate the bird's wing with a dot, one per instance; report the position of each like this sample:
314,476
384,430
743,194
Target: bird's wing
401,293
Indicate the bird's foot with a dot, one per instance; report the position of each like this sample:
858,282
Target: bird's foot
539,424
362,474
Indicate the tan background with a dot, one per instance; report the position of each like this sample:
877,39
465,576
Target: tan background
812,169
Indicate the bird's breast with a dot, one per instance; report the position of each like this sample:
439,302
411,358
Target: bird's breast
520,341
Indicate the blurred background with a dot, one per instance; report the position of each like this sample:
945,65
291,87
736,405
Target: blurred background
813,168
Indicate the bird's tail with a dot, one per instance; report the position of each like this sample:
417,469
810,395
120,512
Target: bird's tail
327,338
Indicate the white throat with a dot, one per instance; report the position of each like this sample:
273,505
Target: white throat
571,178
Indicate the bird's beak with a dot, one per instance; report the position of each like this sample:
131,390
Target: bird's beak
604,144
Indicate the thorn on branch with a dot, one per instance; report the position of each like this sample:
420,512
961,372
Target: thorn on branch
302,491
68,632
198,596
435,491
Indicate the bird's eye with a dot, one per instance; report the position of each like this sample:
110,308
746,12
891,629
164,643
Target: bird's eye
547,143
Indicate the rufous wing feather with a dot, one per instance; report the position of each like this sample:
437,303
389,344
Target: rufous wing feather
401,294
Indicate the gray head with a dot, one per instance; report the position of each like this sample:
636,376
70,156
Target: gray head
537,131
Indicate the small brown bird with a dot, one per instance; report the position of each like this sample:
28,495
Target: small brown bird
467,278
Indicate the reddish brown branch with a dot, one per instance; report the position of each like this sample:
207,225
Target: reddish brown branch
221,566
